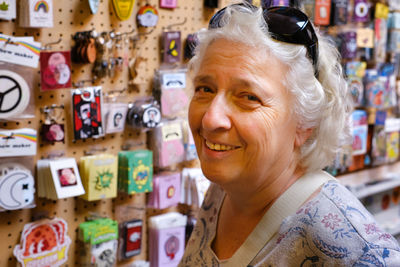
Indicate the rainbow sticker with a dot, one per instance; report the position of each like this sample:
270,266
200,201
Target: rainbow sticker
147,16
41,5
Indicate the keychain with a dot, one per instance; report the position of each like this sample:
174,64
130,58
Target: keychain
147,16
51,130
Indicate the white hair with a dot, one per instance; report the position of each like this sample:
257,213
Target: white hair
323,104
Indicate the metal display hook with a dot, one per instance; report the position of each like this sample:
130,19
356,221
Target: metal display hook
169,27
48,45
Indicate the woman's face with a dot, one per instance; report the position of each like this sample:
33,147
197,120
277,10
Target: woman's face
240,115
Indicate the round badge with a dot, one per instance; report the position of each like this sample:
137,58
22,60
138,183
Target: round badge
151,117
14,94
147,16
56,58
62,73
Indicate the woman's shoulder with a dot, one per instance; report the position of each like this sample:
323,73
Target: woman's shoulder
336,225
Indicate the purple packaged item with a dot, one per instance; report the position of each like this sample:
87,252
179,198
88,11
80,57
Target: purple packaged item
361,11
167,239
348,48
171,46
166,190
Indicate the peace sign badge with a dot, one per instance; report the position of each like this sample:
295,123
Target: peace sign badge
14,94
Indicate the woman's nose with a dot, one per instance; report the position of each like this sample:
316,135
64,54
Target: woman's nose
217,116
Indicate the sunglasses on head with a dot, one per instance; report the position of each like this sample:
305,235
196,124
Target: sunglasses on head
286,24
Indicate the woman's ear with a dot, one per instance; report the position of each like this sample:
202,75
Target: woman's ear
302,135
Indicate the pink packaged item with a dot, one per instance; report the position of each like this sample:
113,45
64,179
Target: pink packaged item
168,3
167,239
166,190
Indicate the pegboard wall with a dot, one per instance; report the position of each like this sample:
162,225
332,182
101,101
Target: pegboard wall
70,17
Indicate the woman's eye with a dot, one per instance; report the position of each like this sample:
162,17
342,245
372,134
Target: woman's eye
252,98
203,89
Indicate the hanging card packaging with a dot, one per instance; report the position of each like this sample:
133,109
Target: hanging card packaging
166,141
171,42
360,131
17,187
348,47
36,13
394,41
381,11
168,4
378,144
8,9
59,178
167,239
43,243
361,11
87,116
339,12
365,38
380,42
99,176
55,70
18,142
392,128
166,190
173,97
322,12
135,171
115,117
21,51
132,238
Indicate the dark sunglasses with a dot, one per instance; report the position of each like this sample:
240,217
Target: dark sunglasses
286,24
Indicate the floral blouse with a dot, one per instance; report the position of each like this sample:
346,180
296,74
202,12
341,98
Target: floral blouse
332,229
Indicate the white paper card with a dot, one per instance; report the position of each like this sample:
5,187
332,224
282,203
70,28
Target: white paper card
14,50
19,142
8,10
66,178
175,80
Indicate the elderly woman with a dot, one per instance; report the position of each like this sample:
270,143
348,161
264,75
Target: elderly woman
269,111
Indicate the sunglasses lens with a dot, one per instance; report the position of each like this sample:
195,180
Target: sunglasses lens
284,20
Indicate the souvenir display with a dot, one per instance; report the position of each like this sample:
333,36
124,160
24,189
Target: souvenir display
168,4
115,117
17,187
132,232
144,114
52,131
8,9
355,71
166,239
18,142
14,94
100,240
99,176
171,47
59,178
166,191
339,12
147,16
36,13
392,128
166,141
361,11
43,243
87,116
123,8
322,12
55,70
135,171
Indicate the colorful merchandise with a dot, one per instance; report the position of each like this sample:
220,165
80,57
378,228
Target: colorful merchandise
166,239
166,191
322,12
99,176
132,238
147,16
361,11
18,142
17,187
55,70
87,116
100,238
168,4
392,128
36,13
8,9
171,47
166,141
43,243
123,8
135,171
378,144
360,131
